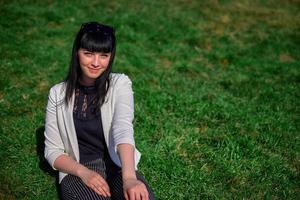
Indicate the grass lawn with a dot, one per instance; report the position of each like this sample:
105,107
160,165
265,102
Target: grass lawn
217,96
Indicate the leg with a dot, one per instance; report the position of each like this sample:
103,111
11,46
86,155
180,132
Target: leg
72,187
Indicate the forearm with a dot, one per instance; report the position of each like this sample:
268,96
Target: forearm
126,154
132,187
66,164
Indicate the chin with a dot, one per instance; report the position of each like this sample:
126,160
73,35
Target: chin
94,76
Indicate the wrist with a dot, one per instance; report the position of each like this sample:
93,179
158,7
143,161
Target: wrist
79,170
129,177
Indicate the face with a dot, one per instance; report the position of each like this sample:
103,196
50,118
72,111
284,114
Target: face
92,65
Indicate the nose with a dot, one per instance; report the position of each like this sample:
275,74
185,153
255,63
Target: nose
96,61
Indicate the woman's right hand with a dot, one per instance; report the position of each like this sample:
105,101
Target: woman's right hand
92,179
95,181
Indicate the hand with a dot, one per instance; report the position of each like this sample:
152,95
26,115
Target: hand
135,190
95,181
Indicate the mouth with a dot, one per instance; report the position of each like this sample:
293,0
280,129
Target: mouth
94,70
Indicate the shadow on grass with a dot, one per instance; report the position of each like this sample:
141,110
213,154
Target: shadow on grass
40,146
43,164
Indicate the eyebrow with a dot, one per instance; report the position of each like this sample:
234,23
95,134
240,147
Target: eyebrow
102,53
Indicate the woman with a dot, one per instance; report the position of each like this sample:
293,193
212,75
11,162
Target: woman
88,130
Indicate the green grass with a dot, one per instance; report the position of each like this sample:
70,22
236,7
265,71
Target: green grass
217,112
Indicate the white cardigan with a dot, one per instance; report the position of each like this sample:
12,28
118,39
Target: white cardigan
117,114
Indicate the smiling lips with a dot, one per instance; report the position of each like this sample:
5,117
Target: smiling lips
94,70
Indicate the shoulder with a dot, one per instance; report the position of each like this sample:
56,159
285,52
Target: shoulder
118,79
58,86
58,89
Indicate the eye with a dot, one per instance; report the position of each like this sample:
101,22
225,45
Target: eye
104,55
87,53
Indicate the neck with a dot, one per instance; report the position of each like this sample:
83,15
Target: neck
86,82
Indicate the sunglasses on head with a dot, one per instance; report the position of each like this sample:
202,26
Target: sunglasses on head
91,27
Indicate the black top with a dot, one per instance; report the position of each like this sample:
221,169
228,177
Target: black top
88,125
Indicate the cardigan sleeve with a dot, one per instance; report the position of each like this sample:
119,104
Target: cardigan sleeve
122,127
53,143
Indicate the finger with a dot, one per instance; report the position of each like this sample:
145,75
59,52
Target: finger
105,188
137,196
131,195
144,192
98,190
145,195
126,196
104,193
103,184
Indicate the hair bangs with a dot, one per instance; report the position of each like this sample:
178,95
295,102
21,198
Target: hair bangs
97,42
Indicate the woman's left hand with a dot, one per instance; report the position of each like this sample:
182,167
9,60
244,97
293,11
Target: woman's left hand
135,190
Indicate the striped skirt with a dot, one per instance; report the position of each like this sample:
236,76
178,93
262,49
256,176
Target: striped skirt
72,187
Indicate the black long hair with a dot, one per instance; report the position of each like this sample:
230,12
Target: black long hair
94,37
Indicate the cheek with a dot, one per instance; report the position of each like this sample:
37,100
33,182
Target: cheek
106,62
83,60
